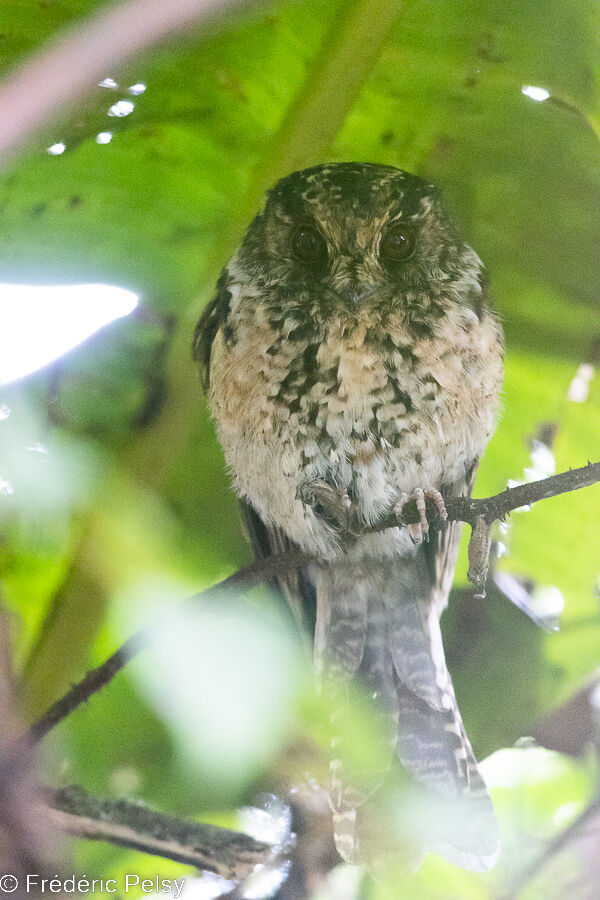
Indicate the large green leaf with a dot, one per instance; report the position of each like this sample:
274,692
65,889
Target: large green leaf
137,480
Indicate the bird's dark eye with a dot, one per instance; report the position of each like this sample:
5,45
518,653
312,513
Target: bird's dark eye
308,245
398,242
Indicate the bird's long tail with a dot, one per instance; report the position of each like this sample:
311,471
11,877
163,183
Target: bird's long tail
377,627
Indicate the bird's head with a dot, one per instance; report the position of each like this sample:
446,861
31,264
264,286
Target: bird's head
357,236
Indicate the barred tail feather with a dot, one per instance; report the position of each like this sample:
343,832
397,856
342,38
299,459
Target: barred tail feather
377,628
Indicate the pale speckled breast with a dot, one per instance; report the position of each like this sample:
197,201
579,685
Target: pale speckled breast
371,412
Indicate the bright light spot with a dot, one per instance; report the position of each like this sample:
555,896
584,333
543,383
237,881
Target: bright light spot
501,549
56,149
543,462
579,388
37,448
105,137
594,697
125,781
108,83
535,93
547,601
271,824
565,814
137,89
4,411
39,324
516,766
6,488
265,881
121,108
586,371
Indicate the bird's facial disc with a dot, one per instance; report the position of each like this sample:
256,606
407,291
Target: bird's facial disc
354,233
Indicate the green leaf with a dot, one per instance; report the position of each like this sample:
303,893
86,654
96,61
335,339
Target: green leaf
134,484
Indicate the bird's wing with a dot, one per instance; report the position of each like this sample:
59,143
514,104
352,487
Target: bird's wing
267,540
213,317
441,550
296,587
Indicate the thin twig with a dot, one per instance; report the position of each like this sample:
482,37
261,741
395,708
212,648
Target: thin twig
263,570
228,853
463,509
22,845
551,850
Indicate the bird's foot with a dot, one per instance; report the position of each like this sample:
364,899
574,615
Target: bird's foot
419,531
328,503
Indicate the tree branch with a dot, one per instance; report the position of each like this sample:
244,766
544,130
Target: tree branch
464,509
228,853
459,509
555,846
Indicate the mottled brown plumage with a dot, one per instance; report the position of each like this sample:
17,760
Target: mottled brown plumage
350,345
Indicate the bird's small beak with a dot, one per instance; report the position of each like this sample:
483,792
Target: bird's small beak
351,284
359,292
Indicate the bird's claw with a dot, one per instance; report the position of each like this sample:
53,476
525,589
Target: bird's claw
327,503
419,531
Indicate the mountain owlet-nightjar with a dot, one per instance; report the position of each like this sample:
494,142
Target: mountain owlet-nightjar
349,348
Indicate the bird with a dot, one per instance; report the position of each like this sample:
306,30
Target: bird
353,362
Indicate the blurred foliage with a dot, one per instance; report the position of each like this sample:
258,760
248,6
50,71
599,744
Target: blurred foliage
130,508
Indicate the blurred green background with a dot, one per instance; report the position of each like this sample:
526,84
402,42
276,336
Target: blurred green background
129,509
